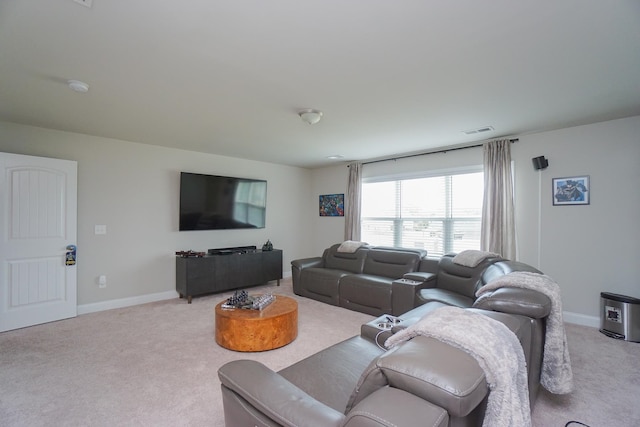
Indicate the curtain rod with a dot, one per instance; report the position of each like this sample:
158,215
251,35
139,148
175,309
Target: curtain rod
444,150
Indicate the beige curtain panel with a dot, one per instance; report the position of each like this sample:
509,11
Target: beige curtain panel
498,222
352,203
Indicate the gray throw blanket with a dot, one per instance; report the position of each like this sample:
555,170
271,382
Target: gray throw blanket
556,376
350,246
497,351
471,257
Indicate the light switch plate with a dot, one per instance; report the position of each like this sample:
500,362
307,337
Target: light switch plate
100,229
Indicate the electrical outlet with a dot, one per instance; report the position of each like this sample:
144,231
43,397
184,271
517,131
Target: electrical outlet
102,281
86,3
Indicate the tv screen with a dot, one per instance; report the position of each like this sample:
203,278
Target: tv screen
211,202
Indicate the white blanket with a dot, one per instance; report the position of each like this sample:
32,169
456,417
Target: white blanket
471,258
497,351
350,246
556,376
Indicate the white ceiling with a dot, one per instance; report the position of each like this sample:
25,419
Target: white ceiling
228,77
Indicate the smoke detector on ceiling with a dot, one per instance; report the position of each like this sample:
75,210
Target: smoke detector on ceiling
86,3
310,116
78,86
479,130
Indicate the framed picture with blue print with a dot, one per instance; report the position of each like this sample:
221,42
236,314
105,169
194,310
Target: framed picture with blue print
574,190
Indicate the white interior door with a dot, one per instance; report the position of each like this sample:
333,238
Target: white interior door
38,213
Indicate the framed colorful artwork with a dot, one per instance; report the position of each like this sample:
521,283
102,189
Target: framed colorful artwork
331,205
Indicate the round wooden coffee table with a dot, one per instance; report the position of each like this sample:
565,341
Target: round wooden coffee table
274,326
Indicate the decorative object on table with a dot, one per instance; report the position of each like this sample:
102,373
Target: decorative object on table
331,205
189,253
571,191
237,300
241,299
262,301
268,246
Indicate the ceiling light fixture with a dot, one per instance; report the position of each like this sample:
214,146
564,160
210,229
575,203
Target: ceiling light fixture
335,157
78,86
310,116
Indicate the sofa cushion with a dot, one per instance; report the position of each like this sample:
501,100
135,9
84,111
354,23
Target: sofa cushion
445,296
460,279
505,267
527,302
391,262
366,293
321,284
330,375
414,315
346,261
429,369
392,407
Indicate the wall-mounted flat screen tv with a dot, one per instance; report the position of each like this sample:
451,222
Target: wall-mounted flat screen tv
211,202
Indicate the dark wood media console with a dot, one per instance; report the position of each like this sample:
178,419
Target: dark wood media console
227,270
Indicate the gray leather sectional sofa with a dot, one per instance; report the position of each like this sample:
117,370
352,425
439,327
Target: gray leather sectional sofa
365,280
382,280
358,382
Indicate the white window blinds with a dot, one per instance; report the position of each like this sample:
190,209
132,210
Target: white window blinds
438,213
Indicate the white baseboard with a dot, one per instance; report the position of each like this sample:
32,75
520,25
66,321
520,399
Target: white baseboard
128,302
569,317
581,319
125,302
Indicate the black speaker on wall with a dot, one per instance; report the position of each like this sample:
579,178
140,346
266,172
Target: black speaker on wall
540,163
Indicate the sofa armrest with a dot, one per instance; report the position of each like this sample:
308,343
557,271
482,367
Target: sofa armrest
526,302
404,291
303,263
274,396
422,276
297,265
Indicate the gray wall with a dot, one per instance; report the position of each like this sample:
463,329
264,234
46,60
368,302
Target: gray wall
133,189
586,249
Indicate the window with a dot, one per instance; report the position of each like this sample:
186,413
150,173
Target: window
438,213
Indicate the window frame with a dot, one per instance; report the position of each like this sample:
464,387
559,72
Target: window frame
447,221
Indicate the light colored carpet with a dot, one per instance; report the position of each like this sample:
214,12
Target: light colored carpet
156,365
607,383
